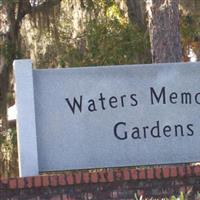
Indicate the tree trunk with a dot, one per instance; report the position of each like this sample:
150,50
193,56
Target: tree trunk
163,24
136,12
10,42
3,97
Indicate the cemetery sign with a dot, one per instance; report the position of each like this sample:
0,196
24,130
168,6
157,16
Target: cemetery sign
111,116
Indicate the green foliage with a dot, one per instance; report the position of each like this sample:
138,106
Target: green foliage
180,197
7,50
109,42
197,195
107,39
8,153
189,19
111,39
190,29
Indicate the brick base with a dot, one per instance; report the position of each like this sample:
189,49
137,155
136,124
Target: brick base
124,184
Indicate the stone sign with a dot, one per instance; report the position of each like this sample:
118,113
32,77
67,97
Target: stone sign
111,116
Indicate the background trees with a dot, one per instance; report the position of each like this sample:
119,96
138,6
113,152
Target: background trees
60,33
12,13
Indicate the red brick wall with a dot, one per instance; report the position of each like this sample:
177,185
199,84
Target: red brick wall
123,184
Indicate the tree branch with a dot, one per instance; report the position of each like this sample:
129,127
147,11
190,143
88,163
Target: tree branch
26,8
46,4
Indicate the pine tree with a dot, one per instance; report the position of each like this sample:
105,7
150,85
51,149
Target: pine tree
163,24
